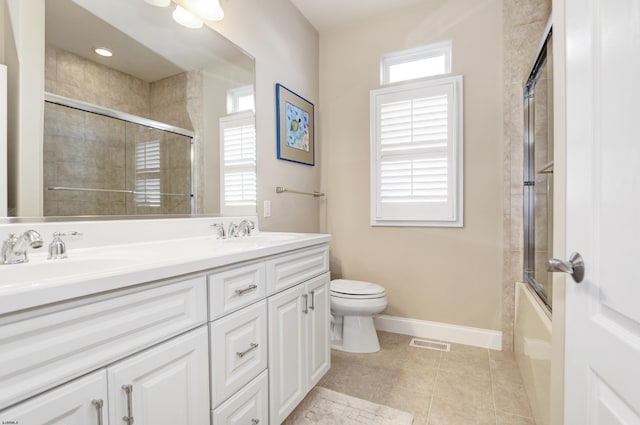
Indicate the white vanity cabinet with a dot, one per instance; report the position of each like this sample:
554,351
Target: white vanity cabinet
164,385
299,345
230,338
280,312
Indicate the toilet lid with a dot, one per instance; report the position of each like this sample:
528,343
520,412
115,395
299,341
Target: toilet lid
356,287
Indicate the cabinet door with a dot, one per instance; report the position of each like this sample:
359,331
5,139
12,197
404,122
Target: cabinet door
287,352
169,383
318,323
79,402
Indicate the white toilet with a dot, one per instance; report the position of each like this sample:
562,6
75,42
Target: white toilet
353,304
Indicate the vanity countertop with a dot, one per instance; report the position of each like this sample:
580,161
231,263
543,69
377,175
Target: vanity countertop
92,270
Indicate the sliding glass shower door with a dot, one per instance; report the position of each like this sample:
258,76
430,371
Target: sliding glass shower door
100,165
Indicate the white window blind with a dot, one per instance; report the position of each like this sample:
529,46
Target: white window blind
147,191
416,154
238,171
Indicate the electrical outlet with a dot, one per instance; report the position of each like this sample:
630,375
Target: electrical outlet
267,209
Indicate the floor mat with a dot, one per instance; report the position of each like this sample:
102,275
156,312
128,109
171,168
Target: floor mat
326,407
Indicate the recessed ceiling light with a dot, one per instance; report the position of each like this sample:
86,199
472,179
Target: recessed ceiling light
103,51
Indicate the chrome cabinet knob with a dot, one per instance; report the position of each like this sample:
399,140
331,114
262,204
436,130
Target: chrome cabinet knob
574,267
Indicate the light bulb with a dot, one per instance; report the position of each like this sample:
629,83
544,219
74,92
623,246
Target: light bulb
159,3
208,9
186,18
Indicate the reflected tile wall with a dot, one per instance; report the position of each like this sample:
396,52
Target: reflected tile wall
69,75
87,150
523,24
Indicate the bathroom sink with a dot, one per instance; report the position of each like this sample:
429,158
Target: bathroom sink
263,239
40,269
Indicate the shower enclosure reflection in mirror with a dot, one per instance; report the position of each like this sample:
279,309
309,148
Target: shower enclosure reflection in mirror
538,172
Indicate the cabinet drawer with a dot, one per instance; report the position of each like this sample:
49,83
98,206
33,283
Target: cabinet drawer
238,350
53,346
232,289
247,406
288,270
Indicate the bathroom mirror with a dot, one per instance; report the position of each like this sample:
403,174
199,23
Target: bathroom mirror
538,173
139,133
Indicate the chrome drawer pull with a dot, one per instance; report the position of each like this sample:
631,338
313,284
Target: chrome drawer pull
241,354
306,303
128,389
245,290
98,403
255,421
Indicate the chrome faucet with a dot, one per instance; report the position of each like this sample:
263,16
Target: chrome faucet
14,249
245,227
220,233
233,230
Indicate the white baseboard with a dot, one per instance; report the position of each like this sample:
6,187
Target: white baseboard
476,337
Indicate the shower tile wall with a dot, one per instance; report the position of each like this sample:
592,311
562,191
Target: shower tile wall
79,155
524,22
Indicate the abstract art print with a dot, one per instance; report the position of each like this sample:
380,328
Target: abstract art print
295,127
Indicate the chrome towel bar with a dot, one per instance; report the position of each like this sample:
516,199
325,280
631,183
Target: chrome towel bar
281,189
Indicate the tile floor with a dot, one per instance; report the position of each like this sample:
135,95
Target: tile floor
466,386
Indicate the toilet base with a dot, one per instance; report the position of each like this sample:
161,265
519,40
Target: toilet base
358,335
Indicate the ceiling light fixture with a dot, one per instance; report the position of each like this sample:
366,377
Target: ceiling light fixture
186,18
103,51
208,9
159,3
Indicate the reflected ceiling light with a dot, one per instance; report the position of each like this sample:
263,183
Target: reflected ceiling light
159,3
208,9
103,51
186,18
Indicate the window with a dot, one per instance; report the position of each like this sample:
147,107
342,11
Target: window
147,191
419,62
240,99
416,154
238,171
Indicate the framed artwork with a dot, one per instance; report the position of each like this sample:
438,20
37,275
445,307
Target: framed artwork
294,121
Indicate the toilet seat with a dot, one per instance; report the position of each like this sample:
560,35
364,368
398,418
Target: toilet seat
356,289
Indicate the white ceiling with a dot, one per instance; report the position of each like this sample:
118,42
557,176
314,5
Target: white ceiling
145,41
324,14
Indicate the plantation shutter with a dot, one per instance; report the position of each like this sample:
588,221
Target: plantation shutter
238,135
147,190
416,154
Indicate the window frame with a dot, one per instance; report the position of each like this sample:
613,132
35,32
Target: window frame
455,161
443,48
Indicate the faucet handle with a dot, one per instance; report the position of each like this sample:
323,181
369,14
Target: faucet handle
57,248
233,230
220,233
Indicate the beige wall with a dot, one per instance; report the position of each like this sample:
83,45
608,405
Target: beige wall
438,274
285,47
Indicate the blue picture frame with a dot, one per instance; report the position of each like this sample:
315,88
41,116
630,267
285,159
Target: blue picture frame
295,127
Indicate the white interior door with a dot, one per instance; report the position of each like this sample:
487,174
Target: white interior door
602,352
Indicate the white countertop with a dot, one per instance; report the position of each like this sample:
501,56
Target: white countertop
94,269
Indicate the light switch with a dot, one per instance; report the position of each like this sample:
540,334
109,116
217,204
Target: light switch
267,209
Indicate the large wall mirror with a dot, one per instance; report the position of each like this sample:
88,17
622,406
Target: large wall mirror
166,125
